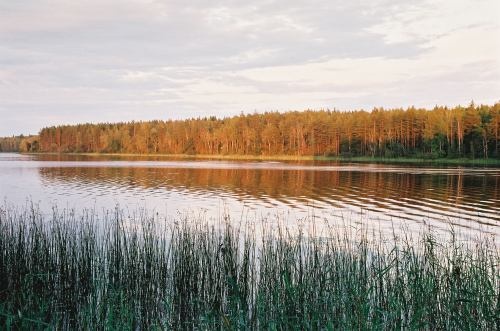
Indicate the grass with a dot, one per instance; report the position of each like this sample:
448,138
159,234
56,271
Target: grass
111,271
414,160
360,159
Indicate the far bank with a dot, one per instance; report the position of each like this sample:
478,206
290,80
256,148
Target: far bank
236,157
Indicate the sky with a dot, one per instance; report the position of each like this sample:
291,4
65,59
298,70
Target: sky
66,62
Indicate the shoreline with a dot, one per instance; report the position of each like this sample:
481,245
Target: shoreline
355,159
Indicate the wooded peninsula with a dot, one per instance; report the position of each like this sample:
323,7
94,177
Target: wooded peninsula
442,132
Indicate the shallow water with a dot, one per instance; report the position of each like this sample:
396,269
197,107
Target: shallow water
386,194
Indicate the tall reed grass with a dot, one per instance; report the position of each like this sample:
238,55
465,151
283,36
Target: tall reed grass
108,271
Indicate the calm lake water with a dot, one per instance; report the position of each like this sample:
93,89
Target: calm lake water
386,194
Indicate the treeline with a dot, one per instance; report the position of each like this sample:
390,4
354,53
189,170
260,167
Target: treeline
472,131
19,144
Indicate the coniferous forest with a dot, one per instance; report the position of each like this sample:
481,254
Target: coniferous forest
472,131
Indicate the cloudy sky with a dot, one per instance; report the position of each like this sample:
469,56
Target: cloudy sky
112,60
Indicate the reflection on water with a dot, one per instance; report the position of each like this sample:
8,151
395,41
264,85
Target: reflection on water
465,196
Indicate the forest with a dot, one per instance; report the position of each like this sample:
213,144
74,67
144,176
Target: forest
472,131
19,144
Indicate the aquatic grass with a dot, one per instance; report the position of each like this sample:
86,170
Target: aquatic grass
109,270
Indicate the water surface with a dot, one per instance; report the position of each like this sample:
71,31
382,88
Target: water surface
465,196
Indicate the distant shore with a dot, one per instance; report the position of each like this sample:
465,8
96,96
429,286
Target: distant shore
360,159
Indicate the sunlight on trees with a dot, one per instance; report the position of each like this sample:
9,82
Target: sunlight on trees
471,131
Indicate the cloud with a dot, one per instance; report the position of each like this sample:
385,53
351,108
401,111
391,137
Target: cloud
110,60
427,20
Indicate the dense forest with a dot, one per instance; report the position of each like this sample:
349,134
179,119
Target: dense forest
19,144
472,131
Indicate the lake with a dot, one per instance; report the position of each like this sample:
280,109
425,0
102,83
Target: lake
372,193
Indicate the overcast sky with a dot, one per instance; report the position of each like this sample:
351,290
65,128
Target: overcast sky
113,60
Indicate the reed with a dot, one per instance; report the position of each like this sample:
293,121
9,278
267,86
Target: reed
108,270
